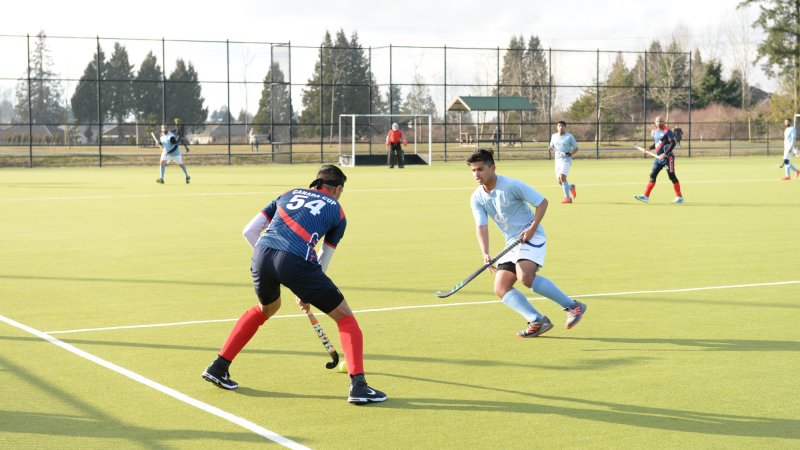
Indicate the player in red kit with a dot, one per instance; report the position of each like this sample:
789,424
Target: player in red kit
663,143
285,255
394,140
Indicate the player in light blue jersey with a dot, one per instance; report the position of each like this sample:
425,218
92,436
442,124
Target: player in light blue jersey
170,143
789,145
564,145
292,224
505,201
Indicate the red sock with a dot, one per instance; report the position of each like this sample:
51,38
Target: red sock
677,187
242,332
352,344
649,188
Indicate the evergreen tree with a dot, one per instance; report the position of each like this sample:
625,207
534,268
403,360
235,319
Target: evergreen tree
419,100
147,89
780,49
713,89
538,77
46,101
274,105
314,99
119,86
84,99
184,97
668,76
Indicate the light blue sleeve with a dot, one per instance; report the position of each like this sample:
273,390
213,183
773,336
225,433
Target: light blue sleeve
572,142
478,211
528,193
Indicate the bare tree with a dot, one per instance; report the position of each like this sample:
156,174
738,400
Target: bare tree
740,38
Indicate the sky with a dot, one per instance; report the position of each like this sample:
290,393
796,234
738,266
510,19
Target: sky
716,27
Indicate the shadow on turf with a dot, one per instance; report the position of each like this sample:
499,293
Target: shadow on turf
87,421
599,411
717,345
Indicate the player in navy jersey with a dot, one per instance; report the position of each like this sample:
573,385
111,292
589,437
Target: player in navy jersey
663,143
285,255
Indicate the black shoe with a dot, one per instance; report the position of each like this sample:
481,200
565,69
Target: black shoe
187,179
214,373
160,180
360,393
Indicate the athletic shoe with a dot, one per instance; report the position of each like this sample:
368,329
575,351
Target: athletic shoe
566,200
574,314
360,393
220,377
160,180
797,174
785,178
187,179
642,198
572,191
536,328
678,200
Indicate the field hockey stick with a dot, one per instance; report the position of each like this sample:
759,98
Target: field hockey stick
488,264
325,341
646,151
158,143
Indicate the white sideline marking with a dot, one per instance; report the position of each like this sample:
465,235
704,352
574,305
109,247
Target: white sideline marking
244,423
440,305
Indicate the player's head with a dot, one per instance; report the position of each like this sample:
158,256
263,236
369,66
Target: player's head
164,128
561,126
481,162
395,126
787,122
659,121
331,178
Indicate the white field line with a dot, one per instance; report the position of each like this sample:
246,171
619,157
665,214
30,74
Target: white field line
244,423
271,192
440,305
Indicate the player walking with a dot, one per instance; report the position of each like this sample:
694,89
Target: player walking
285,255
394,140
789,145
506,201
565,147
170,143
663,142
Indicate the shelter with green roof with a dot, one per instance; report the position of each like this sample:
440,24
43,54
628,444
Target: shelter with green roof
498,104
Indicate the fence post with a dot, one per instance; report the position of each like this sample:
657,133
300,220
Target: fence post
228,87
445,104
30,110
730,139
767,138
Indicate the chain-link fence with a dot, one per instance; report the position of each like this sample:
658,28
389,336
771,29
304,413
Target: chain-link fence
87,101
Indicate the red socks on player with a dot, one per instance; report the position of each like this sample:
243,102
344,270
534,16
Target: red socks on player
649,188
352,344
242,332
677,187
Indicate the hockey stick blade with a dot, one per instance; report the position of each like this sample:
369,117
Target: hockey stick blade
462,283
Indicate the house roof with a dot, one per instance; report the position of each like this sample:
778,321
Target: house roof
492,103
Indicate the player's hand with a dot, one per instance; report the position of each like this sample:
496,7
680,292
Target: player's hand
305,307
662,156
486,259
526,235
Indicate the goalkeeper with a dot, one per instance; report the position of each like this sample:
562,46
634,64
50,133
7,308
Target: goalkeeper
395,141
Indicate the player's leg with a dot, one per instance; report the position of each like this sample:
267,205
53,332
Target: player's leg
676,185
268,292
311,285
401,156
162,167
645,197
185,172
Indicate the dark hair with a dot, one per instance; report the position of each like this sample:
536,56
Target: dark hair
482,155
561,122
329,175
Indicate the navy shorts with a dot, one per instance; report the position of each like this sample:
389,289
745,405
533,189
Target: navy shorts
272,268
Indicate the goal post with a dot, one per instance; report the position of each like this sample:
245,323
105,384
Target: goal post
362,138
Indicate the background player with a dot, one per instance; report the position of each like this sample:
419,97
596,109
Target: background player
170,143
506,201
663,142
285,255
564,146
789,145
394,140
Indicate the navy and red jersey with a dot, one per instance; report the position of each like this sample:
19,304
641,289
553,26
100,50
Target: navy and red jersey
299,218
394,137
663,140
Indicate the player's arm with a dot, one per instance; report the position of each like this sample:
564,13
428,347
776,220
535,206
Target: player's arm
538,215
574,147
252,231
482,231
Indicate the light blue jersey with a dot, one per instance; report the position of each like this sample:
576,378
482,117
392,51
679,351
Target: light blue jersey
789,139
507,205
169,142
563,144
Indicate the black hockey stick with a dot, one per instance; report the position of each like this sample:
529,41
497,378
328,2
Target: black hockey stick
325,341
491,262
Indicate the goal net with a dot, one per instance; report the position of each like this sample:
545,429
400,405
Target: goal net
362,138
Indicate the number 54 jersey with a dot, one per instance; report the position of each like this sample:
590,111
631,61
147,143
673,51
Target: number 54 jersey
299,218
